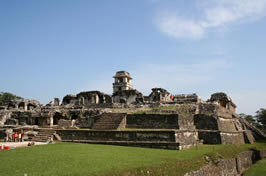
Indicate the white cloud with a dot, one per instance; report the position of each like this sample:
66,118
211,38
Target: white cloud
214,14
178,76
179,27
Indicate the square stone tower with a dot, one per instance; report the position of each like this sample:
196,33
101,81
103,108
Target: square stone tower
122,81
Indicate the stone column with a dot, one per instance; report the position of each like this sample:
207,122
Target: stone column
51,121
25,106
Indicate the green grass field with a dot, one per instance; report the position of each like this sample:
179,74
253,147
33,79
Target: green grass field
258,169
87,159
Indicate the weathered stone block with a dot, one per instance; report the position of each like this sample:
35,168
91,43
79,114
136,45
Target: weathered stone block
152,121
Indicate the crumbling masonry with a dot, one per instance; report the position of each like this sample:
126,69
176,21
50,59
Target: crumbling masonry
127,117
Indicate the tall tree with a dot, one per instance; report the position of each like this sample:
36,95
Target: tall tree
6,97
248,118
261,117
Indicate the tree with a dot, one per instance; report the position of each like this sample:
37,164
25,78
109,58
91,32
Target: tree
248,118
261,117
6,98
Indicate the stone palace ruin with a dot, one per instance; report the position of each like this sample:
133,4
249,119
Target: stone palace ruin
127,117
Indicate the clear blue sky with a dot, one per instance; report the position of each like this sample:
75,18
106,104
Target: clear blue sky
55,47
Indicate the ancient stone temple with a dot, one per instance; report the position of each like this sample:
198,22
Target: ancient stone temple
123,91
122,81
127,117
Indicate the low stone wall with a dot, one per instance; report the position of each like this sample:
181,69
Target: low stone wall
152,121
179,139
228,167
156,136
221,137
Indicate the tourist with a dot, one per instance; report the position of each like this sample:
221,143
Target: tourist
9,137
6,137
73,122
19,137
22,136
16,137
13,137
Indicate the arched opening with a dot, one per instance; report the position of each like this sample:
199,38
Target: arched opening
21,105
31,106
36,121
57,117
11,105
223,103
74,117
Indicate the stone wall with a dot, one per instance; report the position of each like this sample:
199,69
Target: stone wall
205,122
4,115
186,98
86,122
226,124
2,134
180,139
236,138
210,137
64,123
153,121
228,167
186,122
186,139
221,137
156,136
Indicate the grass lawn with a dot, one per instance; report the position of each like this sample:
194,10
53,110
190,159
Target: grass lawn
258,169
88,159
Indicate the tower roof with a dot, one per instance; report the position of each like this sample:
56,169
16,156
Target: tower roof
121,74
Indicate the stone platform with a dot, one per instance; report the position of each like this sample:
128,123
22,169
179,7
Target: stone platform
167,139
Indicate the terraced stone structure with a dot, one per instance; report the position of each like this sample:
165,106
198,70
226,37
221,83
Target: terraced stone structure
160,120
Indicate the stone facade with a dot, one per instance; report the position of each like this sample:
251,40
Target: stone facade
188,119
122,81
160,95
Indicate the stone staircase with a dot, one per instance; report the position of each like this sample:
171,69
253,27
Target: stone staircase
110,121
257,133
44,135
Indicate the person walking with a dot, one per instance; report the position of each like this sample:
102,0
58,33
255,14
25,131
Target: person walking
19,137
22,136
6,137
13,137
16,137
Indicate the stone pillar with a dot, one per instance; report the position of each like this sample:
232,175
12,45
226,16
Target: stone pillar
96,99
81,101
25,106
125,79
92,99
51,121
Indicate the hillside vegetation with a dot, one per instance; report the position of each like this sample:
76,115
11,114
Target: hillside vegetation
6,97
88,159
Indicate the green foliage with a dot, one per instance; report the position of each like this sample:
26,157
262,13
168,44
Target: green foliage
261,117
259,168
87,159
6,97
248,118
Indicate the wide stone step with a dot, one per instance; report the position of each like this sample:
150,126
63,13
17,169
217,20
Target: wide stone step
150,144
99,125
